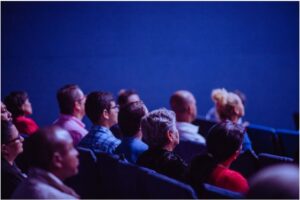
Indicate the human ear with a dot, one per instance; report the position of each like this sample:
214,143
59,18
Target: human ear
4,149
105,114
57,160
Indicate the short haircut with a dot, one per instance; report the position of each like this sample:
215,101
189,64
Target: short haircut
155,126
180,100
130,117
6,132
224,139
14,102
124,96
41,147
66,97
96,103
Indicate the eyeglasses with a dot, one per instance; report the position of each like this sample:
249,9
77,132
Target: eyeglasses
115,107
15,139
81,99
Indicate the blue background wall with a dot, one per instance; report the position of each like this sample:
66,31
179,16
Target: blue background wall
156,48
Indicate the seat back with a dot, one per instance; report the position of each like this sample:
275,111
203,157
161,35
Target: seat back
246,163
265,159
214,192
289,142
86,182
264,139
188,149
204,125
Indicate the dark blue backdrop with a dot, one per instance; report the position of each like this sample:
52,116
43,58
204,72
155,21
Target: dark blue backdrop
156,48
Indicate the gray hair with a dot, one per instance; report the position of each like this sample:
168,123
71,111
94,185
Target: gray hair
155,126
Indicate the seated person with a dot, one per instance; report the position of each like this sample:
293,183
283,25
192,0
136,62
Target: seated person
11,147
5,114
19,105
230,107
129,119
125,97
53,158
183,103
160,133
102,110
71,102
279,181
224,143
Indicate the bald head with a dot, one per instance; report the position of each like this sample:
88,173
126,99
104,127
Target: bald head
183,103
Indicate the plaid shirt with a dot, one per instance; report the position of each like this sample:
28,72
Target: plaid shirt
100,138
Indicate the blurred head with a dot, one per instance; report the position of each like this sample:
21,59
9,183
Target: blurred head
71,100
5,114
241,95
130,117
159,129
11,141
52,149
101,108
229,105
275,182
225,140
183,103
127,96
18,103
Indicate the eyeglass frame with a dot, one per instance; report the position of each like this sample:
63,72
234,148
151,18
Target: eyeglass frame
15,139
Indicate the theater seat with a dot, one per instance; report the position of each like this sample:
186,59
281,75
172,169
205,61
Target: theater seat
214,192
188,149
265,159
289,142
204,125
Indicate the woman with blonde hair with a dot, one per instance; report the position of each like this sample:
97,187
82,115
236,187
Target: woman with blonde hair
229,106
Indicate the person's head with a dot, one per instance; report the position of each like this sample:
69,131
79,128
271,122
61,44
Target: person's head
11,141
127,96
241,95
101,108
71,100
52,149
130,116
224,141
183,103
18,103
229,105
159,129
5,114
275,182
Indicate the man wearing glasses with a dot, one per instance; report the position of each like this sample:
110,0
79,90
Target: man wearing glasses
102,110
71,102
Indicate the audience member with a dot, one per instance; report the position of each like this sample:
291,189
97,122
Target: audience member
160,133
125,97
129,119
71,102
5,114
53,158
19,105
275,182
229,107
102,110
183,103
224,142
11,147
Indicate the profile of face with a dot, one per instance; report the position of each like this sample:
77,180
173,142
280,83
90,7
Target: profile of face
27,108
15,145
69,155
5,114
133,98
80,102
113,113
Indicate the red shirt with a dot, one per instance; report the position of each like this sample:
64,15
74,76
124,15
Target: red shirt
25,125
228,179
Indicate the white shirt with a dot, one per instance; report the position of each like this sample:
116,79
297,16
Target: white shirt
189,132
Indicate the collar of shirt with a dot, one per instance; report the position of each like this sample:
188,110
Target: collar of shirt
73,118
101,128
187,127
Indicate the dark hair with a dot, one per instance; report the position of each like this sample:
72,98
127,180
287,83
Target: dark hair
14,102
41,147
124,96
6,131
130,117
95,104
66,97
223,140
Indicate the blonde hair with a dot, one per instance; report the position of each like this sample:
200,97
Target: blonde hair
225,102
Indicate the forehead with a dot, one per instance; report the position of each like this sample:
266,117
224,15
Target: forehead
133,98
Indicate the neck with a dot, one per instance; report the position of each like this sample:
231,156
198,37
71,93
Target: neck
184,118
58,174
104,124
78,115
139,135
168,147
9,159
